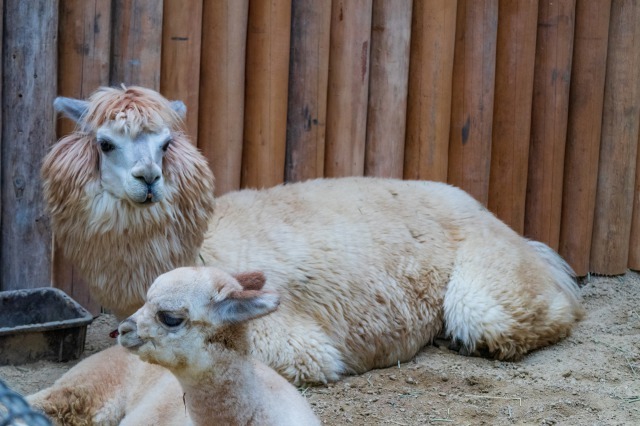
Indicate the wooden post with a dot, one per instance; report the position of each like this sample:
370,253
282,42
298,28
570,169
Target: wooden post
83,50
619,143
433,34
180,66
387,111
222,73
265,118
308,79
583,132
634,239
137,43
550,110
515,57
81,71
472,104
348,87
29,84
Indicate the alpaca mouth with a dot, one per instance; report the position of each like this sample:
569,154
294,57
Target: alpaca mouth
130,341
149,198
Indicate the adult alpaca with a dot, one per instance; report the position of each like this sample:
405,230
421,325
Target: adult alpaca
369,270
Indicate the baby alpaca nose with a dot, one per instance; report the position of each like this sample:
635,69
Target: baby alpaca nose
126,326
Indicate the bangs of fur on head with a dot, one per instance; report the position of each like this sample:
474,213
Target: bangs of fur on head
131,110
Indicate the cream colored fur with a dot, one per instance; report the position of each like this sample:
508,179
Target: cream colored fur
369,270
218,382
113,388
208,348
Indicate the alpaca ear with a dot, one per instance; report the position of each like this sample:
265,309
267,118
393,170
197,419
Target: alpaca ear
74,109
180,108
243,305
251,280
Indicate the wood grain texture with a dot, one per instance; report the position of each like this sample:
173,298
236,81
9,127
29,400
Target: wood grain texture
83,60
515,56
28,129
473,94
348,87
137,43
308,80
180,64
583,132
634,238
389,80
619,142
267,78
83,50
550,109
222,73
433,34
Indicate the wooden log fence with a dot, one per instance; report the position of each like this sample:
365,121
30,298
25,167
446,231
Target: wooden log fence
515,58
532,106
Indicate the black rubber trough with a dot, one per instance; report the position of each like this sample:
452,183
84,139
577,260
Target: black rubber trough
41,324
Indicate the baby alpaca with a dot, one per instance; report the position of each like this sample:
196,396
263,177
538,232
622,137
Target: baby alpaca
194,324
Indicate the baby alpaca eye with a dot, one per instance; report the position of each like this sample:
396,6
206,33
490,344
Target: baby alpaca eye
169,320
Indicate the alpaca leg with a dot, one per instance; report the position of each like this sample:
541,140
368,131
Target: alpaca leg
92,392
509,298
301,352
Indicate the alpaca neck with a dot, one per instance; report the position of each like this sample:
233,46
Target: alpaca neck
226,393
121,259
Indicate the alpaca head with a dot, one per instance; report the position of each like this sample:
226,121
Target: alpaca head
129,196
190,309
132,129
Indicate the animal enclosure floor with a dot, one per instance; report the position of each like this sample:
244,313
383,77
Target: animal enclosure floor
592,377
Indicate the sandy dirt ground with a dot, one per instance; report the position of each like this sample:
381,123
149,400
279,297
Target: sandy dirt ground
591,378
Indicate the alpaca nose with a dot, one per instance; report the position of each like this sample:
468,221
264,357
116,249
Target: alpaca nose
147,174
126,326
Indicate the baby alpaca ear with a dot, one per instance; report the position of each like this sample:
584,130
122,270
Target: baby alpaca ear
243,305
74,109
251,280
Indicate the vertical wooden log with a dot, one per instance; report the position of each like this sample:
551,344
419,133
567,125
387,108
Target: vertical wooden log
83,50
222,74
387,111
550,110
265,119
83,63
180,65
583,132
515,57
433,34
634,239
348,87
308,79
472,104
28,129
619,142
137,43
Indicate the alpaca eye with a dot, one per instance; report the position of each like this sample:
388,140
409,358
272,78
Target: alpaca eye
165,147
106,146
169,320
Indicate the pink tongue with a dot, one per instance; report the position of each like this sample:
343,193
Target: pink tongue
114,334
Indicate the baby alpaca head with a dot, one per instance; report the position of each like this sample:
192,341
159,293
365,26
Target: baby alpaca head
190,309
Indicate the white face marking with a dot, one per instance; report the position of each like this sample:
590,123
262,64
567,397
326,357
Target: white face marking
131,168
